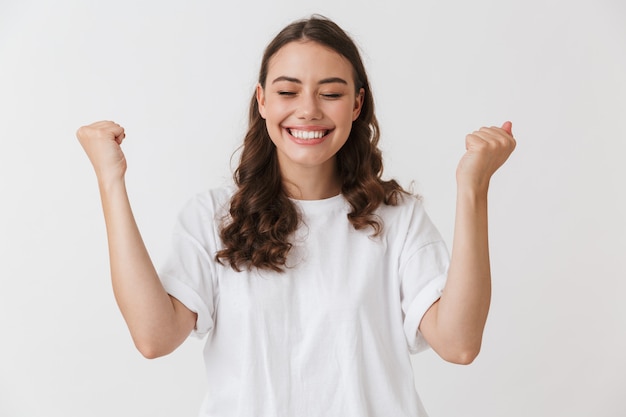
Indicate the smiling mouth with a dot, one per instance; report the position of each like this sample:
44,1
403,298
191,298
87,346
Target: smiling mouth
308,134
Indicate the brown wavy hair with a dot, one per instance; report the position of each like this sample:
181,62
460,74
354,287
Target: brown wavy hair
261,219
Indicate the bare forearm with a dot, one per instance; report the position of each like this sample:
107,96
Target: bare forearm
464,305
148,310
454,325
157,322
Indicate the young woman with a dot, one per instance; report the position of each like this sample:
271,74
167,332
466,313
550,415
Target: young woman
313,278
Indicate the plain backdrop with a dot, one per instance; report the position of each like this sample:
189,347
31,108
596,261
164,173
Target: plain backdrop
178,75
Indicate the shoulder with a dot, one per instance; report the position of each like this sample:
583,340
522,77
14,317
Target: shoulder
207,207
213,200
408,219
406,205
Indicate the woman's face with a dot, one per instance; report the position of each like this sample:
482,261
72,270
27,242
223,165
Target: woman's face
309,103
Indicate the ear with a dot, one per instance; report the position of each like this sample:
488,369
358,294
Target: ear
358,104
260,100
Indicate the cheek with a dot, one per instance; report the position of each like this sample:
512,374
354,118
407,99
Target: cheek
276,111
345,113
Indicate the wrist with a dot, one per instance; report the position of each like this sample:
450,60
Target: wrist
476,191
109,185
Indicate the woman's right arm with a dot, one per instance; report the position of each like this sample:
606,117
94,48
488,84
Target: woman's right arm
158,322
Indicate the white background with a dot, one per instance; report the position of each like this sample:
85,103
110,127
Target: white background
179,74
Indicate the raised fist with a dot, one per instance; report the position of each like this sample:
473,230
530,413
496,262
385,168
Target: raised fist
487,149
101,141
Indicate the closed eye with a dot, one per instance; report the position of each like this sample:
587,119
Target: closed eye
286,93
332,95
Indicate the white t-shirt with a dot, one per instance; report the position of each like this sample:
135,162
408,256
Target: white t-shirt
329,337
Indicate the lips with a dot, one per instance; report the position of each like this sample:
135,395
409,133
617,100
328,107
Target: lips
307,134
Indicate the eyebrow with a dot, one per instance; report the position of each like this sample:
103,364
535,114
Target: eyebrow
330,80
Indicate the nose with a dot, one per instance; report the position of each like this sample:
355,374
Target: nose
309,108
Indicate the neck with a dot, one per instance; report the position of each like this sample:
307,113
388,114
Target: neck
312,183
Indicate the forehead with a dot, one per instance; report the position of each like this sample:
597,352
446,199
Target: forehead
309,59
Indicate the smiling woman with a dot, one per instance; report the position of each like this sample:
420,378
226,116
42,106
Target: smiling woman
309,115
311,79
312,278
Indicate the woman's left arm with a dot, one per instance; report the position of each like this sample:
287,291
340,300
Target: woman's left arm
453,326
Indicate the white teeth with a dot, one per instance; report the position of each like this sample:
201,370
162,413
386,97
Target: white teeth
307,134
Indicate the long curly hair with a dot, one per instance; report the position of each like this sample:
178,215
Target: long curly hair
261,219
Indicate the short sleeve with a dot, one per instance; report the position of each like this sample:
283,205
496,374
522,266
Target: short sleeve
423,273
189,274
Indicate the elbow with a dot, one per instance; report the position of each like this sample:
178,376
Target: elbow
150,353
461,356
154,344
151,349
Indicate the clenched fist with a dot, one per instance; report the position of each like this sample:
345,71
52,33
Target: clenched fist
487,149
101,141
